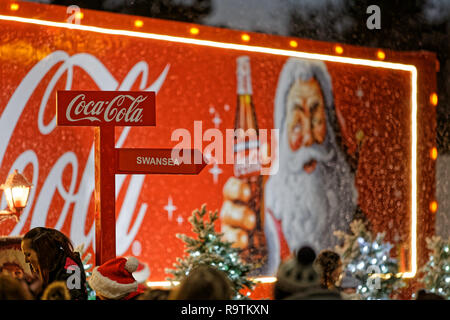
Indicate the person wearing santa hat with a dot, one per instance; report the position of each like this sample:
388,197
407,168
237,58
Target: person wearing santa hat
114,279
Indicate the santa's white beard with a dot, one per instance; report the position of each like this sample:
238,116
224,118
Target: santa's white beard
311,206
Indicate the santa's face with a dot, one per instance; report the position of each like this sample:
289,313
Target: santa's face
306,122
14,270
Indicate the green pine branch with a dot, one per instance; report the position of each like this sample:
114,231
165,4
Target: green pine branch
436,272
208,247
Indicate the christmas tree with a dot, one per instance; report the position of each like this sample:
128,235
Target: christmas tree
369,261
436,272
207,247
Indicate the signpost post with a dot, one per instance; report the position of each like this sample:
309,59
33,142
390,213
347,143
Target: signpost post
105,110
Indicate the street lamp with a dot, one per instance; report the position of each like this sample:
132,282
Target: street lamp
16,189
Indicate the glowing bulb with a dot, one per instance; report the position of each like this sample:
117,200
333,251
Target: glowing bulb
360,265
434,99
138,23
14,6
446,249
339,49
433,153
79,15
373,261
245,37
433,206
293,43
381,55
194,30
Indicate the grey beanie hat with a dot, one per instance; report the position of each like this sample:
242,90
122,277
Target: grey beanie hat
298,273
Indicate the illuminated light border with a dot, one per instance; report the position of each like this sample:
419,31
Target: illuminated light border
194,31
287,53
138,23
166,284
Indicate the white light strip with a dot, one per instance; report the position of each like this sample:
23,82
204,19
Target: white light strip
413,271
265,279
155,284
161,283
280,52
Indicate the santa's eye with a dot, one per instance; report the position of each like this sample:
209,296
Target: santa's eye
314,106
299,107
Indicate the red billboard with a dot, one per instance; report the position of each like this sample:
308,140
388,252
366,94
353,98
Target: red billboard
333,136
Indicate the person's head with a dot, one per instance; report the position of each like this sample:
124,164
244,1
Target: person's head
304,106
44,248
305,115
204,282
13,289
314,186
424,295
297,274
329,265
155,294
113,280
56,290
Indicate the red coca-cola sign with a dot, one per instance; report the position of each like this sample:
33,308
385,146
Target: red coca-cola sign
105,108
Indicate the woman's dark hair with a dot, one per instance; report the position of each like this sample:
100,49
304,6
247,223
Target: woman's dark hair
52,247
328,262
204,282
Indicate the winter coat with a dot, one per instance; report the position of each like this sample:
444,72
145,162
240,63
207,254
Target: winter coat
315,293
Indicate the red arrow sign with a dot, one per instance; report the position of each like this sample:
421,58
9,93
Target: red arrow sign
105,108
159,161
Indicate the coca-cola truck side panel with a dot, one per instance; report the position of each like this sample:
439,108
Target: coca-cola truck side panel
379,111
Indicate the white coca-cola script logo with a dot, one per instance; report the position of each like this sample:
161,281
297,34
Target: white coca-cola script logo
41,199
115,110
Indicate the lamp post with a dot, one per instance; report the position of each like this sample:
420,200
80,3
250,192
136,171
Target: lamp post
16,189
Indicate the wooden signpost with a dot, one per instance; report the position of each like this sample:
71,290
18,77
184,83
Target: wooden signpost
106,110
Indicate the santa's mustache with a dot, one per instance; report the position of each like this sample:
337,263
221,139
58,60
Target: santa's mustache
295,160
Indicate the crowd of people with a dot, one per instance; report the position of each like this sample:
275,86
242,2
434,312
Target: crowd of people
58,274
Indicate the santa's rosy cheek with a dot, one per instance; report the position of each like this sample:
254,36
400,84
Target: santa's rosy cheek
320,133
295,139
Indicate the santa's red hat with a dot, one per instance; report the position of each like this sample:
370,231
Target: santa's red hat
114,279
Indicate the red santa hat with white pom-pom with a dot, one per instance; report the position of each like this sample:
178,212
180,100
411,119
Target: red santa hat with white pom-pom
114,279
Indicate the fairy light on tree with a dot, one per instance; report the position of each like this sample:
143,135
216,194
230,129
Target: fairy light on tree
436,272
87,265
207,247
369,261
